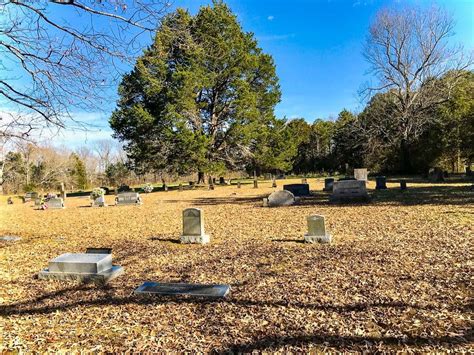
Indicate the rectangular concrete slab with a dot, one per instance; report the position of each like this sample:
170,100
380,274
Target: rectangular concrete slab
81,263
174,289
102,277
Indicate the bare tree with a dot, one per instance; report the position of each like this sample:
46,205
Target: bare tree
410,55
63,55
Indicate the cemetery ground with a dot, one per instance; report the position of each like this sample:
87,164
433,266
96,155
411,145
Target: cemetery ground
397,276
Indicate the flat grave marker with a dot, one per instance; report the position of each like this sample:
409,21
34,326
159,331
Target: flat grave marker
81,267
183,289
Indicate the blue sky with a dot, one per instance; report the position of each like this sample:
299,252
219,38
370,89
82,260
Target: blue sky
317,48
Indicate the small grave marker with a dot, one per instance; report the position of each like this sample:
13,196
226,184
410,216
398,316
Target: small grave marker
380,183
328,184
55,203
193,227
10,238
403,184
361,174
316,230
183,289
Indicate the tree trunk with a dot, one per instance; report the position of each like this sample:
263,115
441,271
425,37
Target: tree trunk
405,163
200,178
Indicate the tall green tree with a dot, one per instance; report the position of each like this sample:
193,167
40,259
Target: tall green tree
78,171
198,97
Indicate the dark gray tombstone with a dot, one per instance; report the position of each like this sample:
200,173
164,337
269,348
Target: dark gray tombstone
380,183
297,189
99,251
193,227
328,184
436,175
81,267
403,184
183,289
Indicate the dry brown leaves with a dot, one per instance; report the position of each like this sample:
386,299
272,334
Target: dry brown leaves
397,277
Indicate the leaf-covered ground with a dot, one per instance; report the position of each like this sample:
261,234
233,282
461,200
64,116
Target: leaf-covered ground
397,276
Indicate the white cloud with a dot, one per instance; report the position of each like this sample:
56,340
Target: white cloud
270,18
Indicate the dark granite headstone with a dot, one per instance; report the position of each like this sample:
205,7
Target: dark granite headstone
328,184
176,289
380,182
297,189
403,184
99,251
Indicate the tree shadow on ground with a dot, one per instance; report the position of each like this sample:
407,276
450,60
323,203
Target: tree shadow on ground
274,342
206,201
32,307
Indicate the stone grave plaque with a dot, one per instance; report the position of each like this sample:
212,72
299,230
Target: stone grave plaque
380,183
55,203
183,289
317,230
328,184
81,267
297,189
361,174
99,251
9,238
193,227
280,198
127,198
349,191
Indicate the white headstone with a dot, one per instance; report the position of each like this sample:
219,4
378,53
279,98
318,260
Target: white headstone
360,174
193,227
317,230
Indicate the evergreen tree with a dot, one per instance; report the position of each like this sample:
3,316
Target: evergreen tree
198,97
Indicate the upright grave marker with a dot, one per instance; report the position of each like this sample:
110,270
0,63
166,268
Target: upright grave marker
361,174
381,183
128,198
298,189
55,203
349,191
193,227
328,184
317,230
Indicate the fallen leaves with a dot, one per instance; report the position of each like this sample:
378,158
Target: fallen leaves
397,277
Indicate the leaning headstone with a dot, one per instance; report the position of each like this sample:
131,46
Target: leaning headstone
328,184
279,198
193,227
128,198
182,289
297,189
349,191
380,183
360,174
317,230
81,267
55,203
